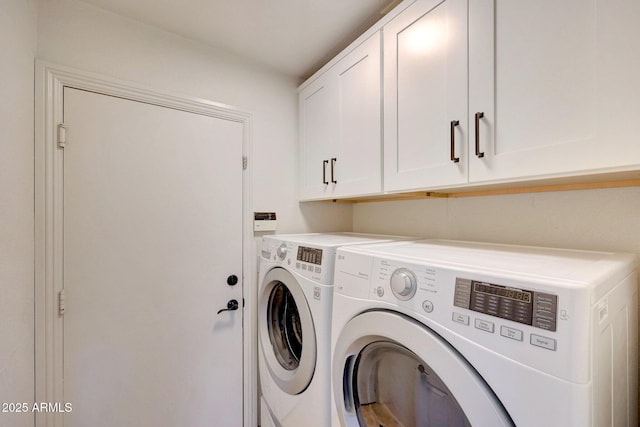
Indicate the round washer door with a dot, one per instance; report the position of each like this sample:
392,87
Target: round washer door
389,369
286,331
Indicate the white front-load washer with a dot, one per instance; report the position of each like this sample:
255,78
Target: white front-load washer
445,333
294,325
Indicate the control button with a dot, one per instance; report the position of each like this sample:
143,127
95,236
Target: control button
282,251
506,309
483,325
463,284
304,267
542,323
461,301
462,295
403,284
379,291
318,270
460,318
493,305
298,265
544,342
316,293
427,306
514,334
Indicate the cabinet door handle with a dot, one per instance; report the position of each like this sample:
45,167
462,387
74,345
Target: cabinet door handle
478,117
324,172
333,162
454,123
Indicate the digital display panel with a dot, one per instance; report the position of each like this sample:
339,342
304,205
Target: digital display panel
501,291
310,255
534,308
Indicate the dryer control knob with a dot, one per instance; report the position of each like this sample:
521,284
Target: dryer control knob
282,251
403,284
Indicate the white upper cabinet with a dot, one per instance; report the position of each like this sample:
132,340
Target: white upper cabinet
425,96
550,90
477,92
557,83
358,167
340,127
317,121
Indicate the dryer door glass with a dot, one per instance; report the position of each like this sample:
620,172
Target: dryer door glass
393,386
285,327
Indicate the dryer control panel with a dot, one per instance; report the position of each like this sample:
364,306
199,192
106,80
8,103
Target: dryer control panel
537,309
315,263
534,306
310,255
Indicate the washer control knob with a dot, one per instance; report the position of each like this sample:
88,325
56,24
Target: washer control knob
403,284
282,251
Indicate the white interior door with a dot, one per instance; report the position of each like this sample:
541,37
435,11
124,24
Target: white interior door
152,230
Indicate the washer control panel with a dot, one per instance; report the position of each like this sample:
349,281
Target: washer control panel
403,284
310,255
472,304
311,262
282,251
415,287
531,308
538,318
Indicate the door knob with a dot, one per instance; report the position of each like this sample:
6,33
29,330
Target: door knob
232,280
232,305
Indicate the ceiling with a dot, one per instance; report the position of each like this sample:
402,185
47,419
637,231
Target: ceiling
294,37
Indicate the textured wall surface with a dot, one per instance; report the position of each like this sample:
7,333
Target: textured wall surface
18,45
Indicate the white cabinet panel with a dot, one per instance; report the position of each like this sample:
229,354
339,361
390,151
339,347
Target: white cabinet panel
317,118
425,86
555,83
340,127
358,162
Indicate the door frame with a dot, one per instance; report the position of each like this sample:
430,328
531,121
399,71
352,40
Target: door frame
50,81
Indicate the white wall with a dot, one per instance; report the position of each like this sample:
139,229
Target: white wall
18,45
589,219
75,34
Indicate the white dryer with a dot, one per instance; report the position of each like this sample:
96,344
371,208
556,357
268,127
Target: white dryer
294,325
445,333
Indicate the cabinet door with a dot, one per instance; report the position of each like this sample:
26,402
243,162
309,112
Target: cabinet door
357,166
557,83
317,138
425,90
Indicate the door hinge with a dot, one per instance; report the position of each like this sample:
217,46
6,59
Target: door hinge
61,303
62,135
244,162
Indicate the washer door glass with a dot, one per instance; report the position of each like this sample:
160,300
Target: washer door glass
286,332
393,386
389,369
285,327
